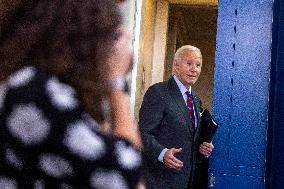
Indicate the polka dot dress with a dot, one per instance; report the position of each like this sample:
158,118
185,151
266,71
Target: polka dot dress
48,141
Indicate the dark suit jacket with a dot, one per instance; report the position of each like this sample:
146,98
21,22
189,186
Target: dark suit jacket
165,123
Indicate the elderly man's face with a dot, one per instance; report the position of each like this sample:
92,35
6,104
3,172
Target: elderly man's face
188,67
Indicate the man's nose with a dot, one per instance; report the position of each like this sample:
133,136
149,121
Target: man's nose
193,68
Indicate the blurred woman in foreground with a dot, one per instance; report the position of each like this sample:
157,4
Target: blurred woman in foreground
59,59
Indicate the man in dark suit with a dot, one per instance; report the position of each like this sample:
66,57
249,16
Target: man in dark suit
169,122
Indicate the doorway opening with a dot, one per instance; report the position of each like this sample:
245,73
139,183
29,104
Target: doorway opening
194,25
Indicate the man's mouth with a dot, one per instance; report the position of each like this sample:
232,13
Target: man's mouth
192,76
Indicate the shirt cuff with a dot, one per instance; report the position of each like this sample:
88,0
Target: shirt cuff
161,156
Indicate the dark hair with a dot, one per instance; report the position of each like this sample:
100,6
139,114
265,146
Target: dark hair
69,38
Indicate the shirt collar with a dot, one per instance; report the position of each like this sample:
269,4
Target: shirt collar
181,86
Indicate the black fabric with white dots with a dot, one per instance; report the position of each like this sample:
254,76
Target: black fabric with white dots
48,141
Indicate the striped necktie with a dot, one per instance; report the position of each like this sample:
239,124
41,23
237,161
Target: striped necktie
190,111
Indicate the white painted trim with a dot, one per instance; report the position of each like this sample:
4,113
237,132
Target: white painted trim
136,45
160,41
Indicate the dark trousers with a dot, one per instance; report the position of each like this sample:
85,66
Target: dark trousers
200,180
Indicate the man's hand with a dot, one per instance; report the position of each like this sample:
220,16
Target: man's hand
206,149
171,161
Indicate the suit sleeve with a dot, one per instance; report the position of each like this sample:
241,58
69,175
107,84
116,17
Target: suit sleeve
150,118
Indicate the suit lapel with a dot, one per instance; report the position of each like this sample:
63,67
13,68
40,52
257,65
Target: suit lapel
179,101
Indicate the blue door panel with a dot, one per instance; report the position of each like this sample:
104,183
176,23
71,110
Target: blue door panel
241,93
236,181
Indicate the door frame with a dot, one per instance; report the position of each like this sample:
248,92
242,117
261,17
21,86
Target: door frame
160,34
152,44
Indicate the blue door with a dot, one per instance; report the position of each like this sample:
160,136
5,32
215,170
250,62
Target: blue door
275,149
241,94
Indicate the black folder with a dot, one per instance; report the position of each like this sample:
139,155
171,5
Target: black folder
208,127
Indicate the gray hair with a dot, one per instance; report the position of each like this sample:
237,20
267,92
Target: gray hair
186,47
